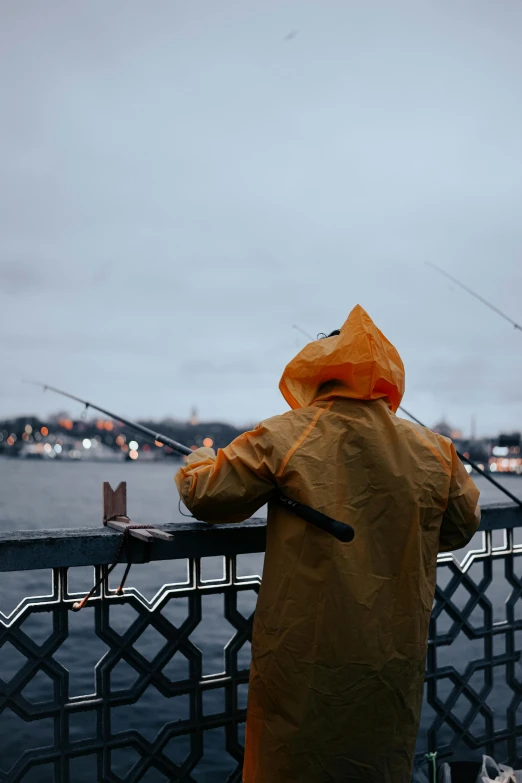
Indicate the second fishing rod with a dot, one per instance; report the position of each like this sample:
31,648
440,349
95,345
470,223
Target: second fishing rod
462,457
340,530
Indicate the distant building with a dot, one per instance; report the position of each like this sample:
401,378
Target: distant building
194,420
509,439
506,454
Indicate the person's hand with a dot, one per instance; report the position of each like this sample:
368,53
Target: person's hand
202,454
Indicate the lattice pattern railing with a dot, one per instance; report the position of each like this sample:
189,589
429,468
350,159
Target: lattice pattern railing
473,698
117,732
163,752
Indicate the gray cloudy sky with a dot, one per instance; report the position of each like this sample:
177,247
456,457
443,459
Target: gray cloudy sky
181,183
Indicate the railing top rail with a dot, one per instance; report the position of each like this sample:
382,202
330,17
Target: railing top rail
38,549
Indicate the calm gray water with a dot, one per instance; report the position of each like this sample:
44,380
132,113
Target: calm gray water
41,495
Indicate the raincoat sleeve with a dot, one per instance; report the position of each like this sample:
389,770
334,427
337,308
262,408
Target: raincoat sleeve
462,516
233,484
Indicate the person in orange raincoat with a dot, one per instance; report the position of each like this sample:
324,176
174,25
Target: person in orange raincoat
340,630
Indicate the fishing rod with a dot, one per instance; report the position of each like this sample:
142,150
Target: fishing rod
339,530
475,295
462,457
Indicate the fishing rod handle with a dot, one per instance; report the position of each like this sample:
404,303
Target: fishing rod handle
339,530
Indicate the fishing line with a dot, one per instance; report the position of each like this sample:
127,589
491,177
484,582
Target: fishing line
475,295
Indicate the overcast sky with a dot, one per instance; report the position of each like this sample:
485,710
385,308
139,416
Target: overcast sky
182,182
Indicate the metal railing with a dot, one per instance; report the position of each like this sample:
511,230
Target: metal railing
473,699
473,695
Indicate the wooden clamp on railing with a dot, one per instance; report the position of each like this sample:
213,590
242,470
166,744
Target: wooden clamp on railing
115,516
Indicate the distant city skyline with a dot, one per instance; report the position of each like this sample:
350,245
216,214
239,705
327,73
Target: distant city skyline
184,182
442,425
101,438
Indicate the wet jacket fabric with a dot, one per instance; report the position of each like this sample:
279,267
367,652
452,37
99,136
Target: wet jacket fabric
340,630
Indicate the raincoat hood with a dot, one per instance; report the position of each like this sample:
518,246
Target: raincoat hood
359,363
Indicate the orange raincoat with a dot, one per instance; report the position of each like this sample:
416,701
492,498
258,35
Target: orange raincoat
340,630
